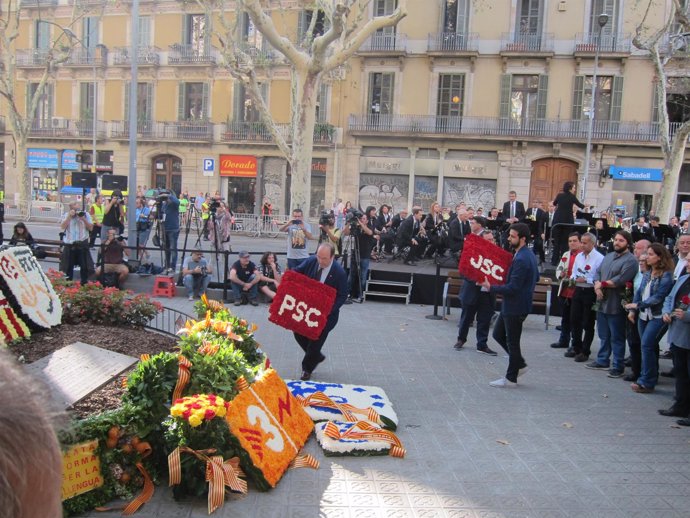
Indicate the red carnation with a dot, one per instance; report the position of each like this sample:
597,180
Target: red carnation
196,406
186,414
209,414
685,300
563,259
628,285
587,267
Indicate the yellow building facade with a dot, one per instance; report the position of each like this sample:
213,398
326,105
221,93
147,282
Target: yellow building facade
463,101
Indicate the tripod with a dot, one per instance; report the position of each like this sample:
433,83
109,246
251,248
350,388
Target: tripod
351,252
191,217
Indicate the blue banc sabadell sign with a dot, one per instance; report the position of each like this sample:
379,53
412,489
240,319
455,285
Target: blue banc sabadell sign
39,158
638,174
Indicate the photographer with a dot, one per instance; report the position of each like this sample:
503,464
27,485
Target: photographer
113,252
196,273
220,227
113,215
143,214
299,234
244,280
329,232
75,227
361,227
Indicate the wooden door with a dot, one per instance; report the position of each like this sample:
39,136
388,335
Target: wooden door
548,177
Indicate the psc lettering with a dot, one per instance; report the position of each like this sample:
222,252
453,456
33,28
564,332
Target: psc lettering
300,310
487,267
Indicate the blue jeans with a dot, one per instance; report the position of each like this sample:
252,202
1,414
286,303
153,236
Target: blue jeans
196,284
238,292
294,263
364,275
171,247
649,331
611,331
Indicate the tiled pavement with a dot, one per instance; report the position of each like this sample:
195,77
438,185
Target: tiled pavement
568,442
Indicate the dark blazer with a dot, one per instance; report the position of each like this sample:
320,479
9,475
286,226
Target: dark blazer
407,230
519,210
540,216
337,278
564,207
456,238
517,292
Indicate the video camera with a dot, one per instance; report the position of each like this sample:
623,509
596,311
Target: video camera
213,206
326,218
352,215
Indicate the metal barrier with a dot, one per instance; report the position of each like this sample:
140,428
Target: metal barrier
168,321
38,210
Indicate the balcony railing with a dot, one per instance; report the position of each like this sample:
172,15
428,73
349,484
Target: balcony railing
527,42
198,131
190,55
60,128
259,57
33,4
258,132
384,42
148,55
621,131
88,56
453,42
608,43
32,57
677,44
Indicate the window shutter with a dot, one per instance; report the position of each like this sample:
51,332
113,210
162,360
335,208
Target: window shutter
207,34
49,95
181,115
541,96
504,109
616,98
324,102
29,88
264,92
238,102
128,85
149,101
578,96
83,101
301,25
655,103
205,111
144,31
185,36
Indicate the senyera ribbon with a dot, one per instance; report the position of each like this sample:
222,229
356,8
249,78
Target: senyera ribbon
319,399
366,431
146,492
219,473
183,376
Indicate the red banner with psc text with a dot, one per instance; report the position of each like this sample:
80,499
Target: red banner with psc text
481,259
302,305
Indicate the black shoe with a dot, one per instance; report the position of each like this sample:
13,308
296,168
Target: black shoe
253,302
684,422
668,374
614,373
667,355
558,328
486,350
348,301
672,412
458,345
558,345
306,376
627,362
580,358
238,302
630,377
570,353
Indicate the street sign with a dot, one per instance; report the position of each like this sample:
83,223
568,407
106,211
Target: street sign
209,165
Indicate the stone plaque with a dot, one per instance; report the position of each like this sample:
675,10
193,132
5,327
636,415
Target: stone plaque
77,370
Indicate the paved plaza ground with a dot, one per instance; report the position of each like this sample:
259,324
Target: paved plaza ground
568,442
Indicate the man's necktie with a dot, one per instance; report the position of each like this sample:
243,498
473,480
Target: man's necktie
512,209
550,218
318,274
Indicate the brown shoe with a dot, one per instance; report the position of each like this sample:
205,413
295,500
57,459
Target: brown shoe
458,345
306,376
640,389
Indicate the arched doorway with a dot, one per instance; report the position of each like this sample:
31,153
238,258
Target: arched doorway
166,173
548,177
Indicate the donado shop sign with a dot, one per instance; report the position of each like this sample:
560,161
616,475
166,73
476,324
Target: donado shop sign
638,174
238,165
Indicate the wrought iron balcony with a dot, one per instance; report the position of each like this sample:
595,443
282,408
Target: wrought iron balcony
148,55
28,58
525,43
453,42
194,131
385,43
537,129
676,44
34,4
586,43
88,56
190,55
258,132
60,128
259,56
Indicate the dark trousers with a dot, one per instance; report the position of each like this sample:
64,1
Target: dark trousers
582,318
632,336
681,367
95,232
538,248
560,243
76,255
484,310
312,348
566,328
507,332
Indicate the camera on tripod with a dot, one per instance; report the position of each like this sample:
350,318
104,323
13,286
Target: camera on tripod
213,206
326,218
352,217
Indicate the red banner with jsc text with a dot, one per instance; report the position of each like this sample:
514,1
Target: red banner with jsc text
302,305
481,259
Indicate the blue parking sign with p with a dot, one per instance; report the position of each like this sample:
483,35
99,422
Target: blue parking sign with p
209,165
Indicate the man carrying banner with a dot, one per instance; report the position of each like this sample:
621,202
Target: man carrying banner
517,303
323,268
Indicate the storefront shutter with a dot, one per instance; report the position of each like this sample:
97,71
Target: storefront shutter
578,96
504,111
616,98
541,96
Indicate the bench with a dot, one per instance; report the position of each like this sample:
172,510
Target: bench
52,247
451,289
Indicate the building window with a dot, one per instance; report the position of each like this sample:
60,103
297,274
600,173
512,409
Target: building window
44,108
245,109
607,102
87,97
322,103
42,35
384,39
451,93
455,16
523,98
678,99
193,102
144,102
609,7
381,86
195,34
529,17
319,27
144,31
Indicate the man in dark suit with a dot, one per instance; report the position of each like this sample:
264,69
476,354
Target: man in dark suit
517,303
322,268
513,210
458,229
640,230
410,235
539,217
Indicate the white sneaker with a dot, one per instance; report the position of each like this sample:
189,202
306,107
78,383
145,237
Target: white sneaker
523,370
190,297
502,383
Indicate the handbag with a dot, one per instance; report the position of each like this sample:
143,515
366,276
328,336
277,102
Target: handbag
156,240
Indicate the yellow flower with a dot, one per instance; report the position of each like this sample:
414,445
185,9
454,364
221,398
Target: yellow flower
176,411
220,410
195,420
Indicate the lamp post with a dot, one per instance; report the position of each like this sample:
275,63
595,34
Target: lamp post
602,20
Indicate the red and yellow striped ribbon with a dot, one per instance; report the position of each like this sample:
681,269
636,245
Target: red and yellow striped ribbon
367,431
304,460
145,357
320,399
183,376
144,496
219,473
241,384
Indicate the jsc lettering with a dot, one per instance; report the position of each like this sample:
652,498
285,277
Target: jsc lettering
487,267
300,310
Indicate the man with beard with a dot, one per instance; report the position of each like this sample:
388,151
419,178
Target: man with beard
517,303
617,268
